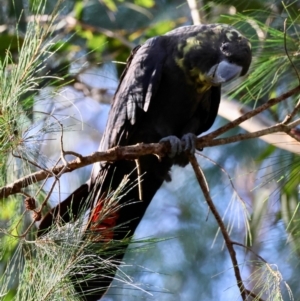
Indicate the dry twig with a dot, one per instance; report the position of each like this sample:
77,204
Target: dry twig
229,244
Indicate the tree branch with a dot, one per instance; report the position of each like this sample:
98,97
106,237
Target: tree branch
117,153
131,153
204,142
203,184
271,102
231,110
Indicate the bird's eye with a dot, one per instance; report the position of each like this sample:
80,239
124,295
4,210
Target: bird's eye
224,47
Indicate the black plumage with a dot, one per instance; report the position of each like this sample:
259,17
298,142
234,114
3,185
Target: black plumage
171,86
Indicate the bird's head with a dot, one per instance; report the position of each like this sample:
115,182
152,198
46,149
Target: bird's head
211,55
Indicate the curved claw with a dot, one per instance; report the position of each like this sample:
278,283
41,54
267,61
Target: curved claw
176,145
190,142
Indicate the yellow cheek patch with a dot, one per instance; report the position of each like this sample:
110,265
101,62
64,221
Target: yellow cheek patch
194,77
202,85
195,72
179,63
199,80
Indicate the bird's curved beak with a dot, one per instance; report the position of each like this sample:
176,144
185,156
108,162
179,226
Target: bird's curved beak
223,72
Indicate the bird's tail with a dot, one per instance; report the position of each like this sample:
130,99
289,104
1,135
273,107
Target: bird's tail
65,211
107,196
116,210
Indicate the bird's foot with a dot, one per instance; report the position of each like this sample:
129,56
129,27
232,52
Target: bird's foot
189,140
186,144
176,145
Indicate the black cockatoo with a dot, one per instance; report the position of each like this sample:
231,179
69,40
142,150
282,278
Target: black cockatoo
169,90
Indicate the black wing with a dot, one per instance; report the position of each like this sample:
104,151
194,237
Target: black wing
139,83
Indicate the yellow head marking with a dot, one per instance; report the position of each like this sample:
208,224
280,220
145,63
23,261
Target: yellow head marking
193,41
190,43
217,29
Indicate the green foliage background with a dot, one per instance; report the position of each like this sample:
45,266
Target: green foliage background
37,54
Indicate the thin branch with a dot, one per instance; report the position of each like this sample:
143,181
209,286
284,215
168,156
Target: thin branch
131,153
231,110
271,102
249,249
206,142
287,52
226,173
116,153
289,117
254,296
203,184
28,161
38,212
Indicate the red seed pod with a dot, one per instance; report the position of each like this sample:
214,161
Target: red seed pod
30,203
37,216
